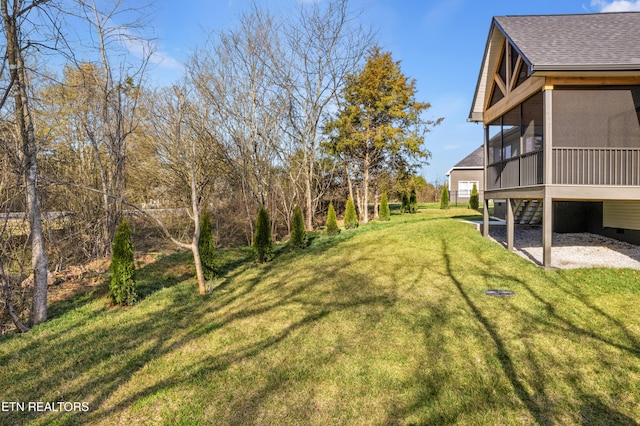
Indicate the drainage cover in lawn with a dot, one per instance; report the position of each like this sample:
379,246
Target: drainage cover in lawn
499,293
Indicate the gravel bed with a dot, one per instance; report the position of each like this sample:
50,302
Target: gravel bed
571,250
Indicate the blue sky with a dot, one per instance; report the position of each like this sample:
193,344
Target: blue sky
440,43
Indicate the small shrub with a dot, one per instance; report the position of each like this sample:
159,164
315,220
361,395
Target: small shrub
350,216
298,233
206,247
122,285
332,221
262,241
385,213
413,201
405,202
474,201
444,197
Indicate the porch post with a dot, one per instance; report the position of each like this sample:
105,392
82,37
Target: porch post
485,213
510,225
547,229
547,202
485,218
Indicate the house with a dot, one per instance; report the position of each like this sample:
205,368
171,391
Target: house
559,99
466,173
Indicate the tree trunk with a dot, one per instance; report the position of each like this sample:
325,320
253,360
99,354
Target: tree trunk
376,204
365,189
309,195
27,138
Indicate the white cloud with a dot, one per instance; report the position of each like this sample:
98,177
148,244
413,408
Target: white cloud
616,5
450,147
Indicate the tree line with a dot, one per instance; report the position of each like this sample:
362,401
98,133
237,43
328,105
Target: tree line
283,112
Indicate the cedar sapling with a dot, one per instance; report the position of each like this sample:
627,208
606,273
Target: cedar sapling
385,213
298,233
262,241
350,216
122,285
405,202
474,201
413,201
332,221
444,198
206,247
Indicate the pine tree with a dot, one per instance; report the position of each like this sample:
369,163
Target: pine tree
332,221
206,247
350,216
262,242
413,201
474,201
384,214
444,197
122,285
298,234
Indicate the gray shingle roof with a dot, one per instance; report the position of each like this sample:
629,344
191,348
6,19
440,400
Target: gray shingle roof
475,159
608,41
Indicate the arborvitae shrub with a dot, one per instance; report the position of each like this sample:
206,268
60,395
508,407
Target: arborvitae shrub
444,197
413,201
122,285
385,213
350,216
405,208
474,201
298,234
332,221
206,247
262,242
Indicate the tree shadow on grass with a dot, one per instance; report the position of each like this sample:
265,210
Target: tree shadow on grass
96,362
594,412
503,355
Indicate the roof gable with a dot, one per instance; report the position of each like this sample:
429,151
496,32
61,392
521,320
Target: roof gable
548,43
576,42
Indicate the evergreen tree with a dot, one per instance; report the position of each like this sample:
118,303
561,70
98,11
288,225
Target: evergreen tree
405,202
122,285
262,241
298,234
444,197
350,216
332,221
385,213
379,120
474,201
206,247
413,201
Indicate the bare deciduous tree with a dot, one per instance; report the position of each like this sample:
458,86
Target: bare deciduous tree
325,44
15,19
188,153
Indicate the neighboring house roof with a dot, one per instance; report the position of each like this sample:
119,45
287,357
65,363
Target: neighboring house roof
602,42
475,160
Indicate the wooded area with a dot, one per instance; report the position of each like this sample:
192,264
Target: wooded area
284,110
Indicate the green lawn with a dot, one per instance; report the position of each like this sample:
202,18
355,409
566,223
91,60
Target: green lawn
387,324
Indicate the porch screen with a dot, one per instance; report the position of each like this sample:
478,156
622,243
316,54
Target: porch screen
603,117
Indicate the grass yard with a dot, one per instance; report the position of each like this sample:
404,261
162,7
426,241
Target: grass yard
387,324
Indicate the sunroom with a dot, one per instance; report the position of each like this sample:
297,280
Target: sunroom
559,98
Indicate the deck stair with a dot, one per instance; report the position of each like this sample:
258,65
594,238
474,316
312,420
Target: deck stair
528,212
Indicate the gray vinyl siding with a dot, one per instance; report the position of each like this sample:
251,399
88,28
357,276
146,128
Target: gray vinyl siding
458,175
